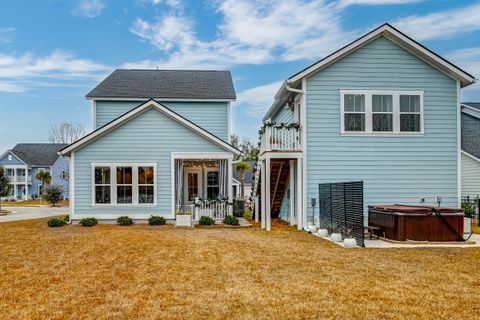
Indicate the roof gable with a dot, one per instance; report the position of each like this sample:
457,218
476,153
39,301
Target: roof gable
399,38
140,110
15,159
166,84
38,154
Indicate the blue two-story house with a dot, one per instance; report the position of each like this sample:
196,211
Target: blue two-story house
25,160
384,110
160,147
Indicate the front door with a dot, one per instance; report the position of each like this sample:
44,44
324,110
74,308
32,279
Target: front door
192,184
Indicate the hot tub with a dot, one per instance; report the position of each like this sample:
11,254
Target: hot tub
416,223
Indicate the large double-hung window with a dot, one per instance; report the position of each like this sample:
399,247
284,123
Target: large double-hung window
381,112
124,184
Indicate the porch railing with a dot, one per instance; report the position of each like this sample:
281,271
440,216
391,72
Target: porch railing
214,209
280,139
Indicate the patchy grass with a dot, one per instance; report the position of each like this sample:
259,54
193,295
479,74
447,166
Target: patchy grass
142,272
248,213
476,230
32,203
4,212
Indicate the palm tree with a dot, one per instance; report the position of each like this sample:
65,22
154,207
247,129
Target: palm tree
242,167
45,177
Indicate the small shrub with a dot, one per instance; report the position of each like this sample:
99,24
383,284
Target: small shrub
470,209
56,223
207,221
231,220
156,221
125,221
66,218
88,222
53,195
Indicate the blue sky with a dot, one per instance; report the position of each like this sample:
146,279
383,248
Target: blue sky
52,52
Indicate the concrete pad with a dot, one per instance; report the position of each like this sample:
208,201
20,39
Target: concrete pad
27,213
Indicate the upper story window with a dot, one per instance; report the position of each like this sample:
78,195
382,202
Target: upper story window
381,112
9,157
125,184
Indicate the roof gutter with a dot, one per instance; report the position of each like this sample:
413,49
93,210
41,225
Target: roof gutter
278,97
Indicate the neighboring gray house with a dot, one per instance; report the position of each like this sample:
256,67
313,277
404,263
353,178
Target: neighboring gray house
470,149
247,183
160,147
384,110
25,160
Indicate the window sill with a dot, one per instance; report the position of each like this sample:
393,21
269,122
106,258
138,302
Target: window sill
97,205
382,134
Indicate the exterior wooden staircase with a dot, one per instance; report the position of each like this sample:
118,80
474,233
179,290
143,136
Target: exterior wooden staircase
279,179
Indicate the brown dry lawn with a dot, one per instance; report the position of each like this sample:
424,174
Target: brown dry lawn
142,272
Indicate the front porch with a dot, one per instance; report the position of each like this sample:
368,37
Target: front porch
20,178
203,186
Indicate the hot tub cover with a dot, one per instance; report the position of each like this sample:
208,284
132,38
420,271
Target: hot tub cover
413,209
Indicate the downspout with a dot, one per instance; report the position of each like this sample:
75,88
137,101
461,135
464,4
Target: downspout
304,208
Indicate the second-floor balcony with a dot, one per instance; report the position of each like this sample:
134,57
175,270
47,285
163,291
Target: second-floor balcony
20,179
281,138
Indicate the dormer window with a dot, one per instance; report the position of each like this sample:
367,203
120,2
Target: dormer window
9,157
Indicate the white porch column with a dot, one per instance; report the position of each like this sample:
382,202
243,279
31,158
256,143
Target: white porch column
256,208
292,187
230,186
14,184
26,182
268,218
262,172
299,197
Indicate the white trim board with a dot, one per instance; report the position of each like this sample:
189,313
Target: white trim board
470,156
139,110
474,112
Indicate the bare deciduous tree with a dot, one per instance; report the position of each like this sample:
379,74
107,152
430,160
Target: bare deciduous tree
66,132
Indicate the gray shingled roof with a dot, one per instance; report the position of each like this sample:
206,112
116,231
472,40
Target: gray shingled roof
38,154
471,135
248,174
475,105
167,84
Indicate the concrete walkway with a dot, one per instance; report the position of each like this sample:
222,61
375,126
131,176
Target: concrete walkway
27,213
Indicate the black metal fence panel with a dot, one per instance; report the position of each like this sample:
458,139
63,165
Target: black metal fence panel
341,203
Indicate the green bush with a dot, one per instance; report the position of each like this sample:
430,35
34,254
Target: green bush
470,209
125,221
56,223
88,222
53,195
66,218
204,220
156,221
231,220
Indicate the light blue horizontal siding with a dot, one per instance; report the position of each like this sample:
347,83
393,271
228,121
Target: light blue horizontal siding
14,162
470,177
394,169
211,116
283,115
150,137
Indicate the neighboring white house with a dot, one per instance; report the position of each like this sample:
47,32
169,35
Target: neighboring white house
248,183
470,149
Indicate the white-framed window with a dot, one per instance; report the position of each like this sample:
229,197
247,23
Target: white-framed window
40,190
10,157
102,185
381,112
212,184
64,174
124,184
43,169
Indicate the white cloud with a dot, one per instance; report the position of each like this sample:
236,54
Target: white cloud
346,3
469,60
21,72
6,35
251,32
441,25
257,100
89,8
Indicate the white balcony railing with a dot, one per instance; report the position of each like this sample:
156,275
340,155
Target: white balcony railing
280,139
20,179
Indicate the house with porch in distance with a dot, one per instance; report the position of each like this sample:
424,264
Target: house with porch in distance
384,110
160,147
25,160
470,150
